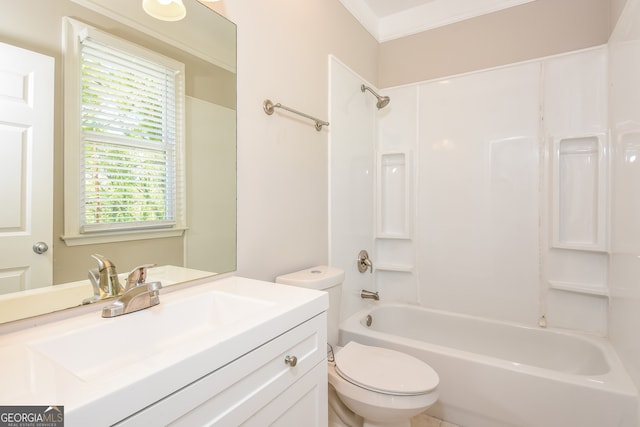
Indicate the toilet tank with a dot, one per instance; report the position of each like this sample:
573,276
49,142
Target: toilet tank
322,278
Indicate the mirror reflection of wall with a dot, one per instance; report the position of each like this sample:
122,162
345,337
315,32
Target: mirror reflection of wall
205,43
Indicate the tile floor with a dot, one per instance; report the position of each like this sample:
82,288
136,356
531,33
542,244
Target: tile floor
423,420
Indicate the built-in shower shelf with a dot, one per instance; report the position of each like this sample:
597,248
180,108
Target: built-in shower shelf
579,288
579,218
395,267
393,195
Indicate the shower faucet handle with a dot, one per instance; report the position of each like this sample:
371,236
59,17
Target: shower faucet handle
364,262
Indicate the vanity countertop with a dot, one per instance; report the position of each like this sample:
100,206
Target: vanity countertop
103,370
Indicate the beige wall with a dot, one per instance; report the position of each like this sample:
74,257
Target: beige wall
532,30
616,10
283,48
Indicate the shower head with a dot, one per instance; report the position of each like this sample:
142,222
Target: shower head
383,101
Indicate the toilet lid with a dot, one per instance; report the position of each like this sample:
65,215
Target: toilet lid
384,370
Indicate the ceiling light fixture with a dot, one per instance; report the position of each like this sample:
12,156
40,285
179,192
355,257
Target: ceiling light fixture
165,10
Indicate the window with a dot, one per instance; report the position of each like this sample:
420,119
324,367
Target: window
124,137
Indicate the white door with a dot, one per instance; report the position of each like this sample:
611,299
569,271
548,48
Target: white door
26,168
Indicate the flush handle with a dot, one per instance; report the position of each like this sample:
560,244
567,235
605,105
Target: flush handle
291,361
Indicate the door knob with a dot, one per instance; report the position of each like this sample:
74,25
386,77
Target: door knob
40,248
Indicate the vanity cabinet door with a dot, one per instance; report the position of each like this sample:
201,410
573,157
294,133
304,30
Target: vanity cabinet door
264,381
302,404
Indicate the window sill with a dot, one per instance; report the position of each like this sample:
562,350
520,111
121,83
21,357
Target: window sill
120,236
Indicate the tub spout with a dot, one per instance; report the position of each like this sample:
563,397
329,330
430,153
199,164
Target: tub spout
369,295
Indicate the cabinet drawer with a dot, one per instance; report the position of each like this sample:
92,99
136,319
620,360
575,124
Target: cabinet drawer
231,394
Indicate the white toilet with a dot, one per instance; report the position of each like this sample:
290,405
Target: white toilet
383,387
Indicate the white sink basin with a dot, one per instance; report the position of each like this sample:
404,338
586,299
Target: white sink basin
107,346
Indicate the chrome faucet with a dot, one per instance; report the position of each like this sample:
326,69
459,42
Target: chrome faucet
104,280
137,298
138,295
369,295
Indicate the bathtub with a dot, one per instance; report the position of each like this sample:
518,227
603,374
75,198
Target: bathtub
501,374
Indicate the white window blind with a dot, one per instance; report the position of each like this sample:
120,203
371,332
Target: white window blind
129,132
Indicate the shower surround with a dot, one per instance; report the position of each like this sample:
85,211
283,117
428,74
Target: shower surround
488,191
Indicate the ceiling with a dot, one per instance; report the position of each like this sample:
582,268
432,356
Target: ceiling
391,19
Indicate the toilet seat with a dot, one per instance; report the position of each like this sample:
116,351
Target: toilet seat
384,370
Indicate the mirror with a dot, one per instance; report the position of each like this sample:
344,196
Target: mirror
206,43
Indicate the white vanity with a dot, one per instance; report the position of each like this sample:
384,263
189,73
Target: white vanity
229,352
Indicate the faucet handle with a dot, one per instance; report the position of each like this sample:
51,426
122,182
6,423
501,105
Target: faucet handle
364,262
105,277
102,261
137,276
